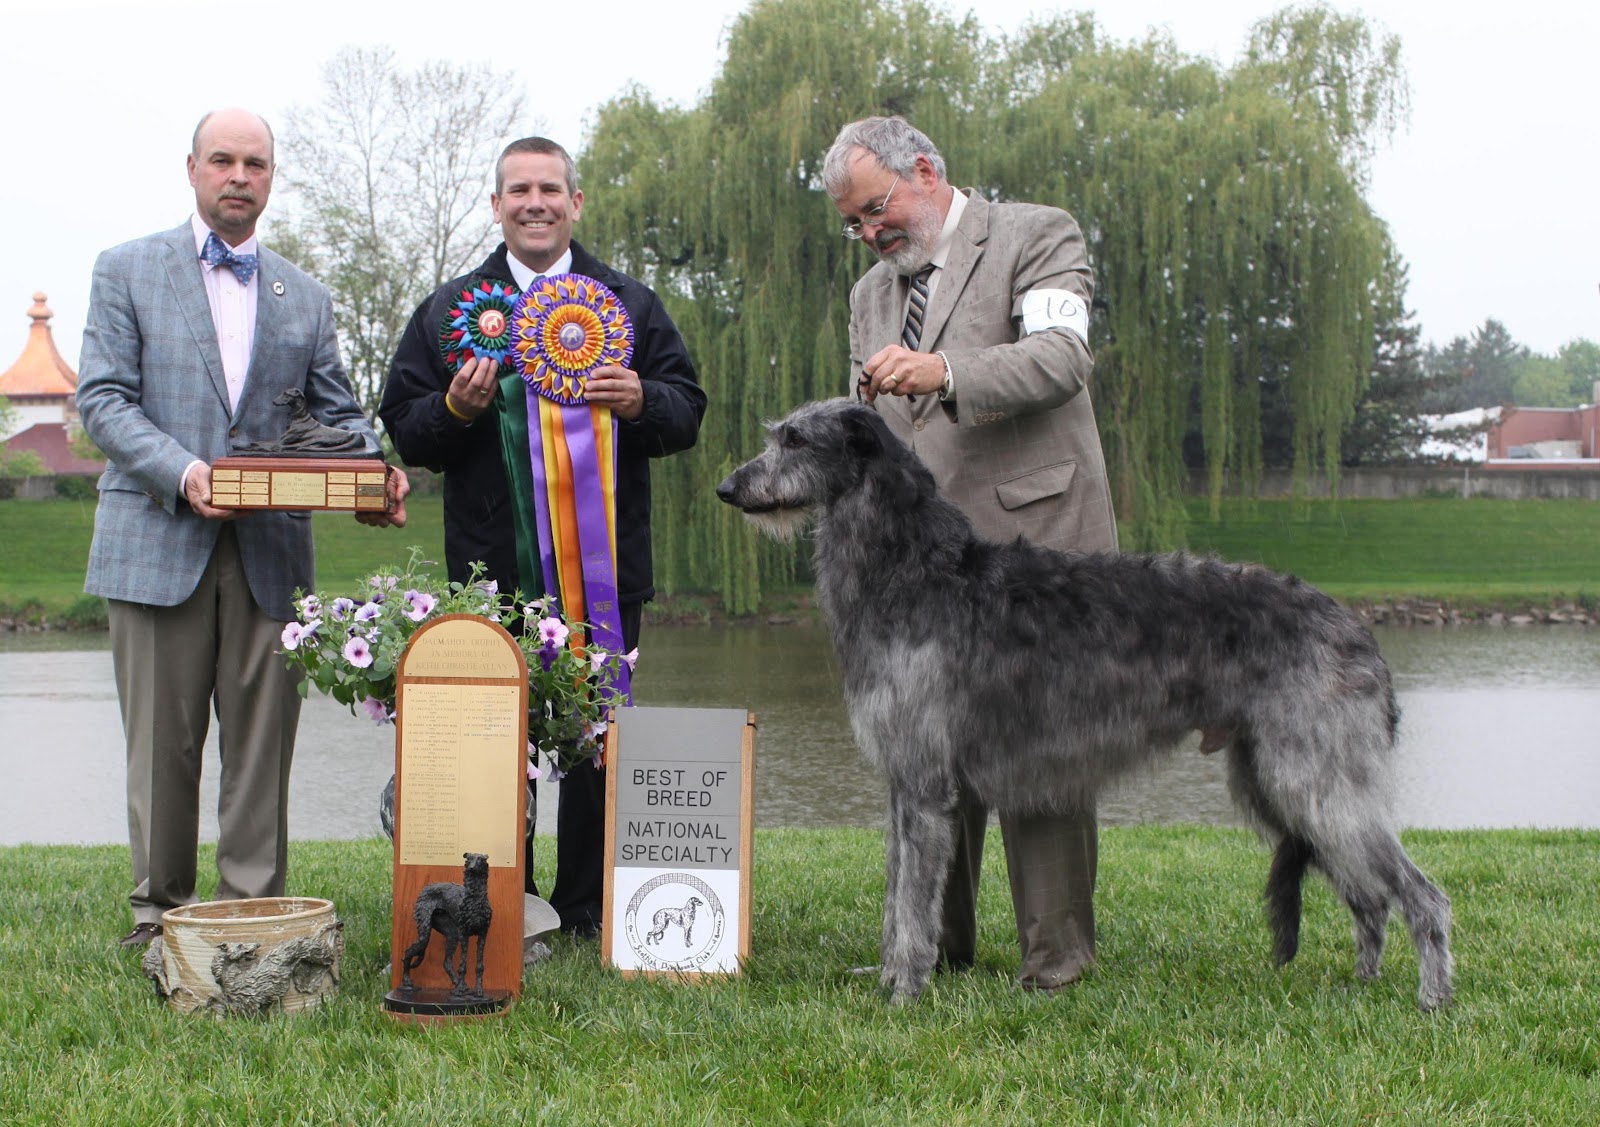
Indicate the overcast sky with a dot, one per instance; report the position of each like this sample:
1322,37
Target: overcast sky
1490,192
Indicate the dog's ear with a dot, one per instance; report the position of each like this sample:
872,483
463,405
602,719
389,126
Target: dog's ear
863,432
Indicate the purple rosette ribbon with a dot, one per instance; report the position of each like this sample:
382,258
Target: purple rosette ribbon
562,329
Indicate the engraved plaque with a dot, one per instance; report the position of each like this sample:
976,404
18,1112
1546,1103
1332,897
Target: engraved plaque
460,783
337,484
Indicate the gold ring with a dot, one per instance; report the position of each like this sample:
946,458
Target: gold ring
890,380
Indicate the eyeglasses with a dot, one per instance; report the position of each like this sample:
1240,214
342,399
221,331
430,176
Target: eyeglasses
854,228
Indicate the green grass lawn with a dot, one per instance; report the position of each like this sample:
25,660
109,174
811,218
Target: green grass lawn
1476,550
1183,1021
1472,551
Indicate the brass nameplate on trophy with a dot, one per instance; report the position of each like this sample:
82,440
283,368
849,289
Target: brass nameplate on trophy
338,484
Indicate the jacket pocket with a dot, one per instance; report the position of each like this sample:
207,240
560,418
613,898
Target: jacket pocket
1035,485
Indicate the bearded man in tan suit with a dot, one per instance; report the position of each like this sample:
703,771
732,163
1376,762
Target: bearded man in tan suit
970,337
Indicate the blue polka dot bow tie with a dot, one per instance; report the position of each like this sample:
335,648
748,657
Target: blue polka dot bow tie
218,253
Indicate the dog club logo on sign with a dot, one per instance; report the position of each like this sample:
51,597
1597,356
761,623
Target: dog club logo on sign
675,922
678,836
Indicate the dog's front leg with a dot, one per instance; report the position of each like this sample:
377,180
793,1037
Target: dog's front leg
921,840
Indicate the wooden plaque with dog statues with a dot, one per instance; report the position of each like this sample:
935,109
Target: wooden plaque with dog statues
461,732
680,829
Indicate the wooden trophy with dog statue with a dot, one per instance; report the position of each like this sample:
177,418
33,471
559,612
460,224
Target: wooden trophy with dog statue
461,731
313,466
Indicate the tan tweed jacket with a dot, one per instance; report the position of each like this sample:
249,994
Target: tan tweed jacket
1018,451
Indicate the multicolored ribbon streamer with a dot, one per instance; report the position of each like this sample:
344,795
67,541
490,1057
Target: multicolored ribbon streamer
561,451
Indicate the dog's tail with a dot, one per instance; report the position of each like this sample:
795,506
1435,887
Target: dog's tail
1289,864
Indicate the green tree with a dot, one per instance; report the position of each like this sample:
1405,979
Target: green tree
1542,381
1580,359
387,179
15,463
1388,428
1476,371
1236,257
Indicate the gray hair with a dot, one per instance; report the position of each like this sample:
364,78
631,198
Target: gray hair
894,141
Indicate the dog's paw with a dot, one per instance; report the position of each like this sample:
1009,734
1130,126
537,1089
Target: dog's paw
903,986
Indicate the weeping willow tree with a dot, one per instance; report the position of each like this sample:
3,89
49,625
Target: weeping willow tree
1235,255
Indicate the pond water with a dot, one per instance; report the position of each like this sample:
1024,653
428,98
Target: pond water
1501,728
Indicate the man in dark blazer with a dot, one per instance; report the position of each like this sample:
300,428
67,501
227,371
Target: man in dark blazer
970,337
447,420
191,335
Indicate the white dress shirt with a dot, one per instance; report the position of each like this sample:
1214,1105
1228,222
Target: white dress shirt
233,310
525,275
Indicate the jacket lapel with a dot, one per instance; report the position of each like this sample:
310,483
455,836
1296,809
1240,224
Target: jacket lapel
189,288
269,307
965,251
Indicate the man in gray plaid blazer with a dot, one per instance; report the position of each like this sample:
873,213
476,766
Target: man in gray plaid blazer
191,335
970,337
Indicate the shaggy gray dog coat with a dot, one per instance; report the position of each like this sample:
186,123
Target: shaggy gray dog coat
1036,677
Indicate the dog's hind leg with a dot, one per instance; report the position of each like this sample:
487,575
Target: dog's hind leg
1374,872
921,842
1284,881
1427,913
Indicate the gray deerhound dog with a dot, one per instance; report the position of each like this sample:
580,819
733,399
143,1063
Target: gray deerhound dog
1036,677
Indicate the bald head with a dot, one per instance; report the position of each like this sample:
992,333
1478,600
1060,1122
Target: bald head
230,116
230,168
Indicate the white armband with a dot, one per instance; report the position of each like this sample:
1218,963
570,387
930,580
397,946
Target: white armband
1054,309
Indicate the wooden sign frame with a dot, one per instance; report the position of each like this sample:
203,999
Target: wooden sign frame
458,670
658,908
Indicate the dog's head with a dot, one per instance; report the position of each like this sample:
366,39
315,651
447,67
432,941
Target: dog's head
817,454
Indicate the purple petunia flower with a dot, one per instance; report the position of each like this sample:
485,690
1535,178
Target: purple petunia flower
553,632
631,657
292,634
310,606
358,653
368,611
598,659
419,605
376,710
341,608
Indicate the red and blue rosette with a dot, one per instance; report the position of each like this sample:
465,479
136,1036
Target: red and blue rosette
478,324
562,329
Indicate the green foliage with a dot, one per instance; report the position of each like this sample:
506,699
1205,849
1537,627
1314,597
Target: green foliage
1545,382
76,487
15,464
348,643
1476,371
81,445
1184,1019
1388,429
1222,207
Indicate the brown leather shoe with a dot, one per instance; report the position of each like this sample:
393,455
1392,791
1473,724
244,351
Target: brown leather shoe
141,935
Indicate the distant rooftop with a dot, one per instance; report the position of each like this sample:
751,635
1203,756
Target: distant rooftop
39,372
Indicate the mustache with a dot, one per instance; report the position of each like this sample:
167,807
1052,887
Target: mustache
883,238
247,197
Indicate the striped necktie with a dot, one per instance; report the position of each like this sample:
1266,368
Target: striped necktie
912,333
